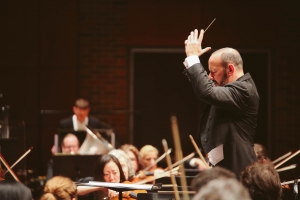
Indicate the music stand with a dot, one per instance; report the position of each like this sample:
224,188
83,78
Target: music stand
74,166
121,187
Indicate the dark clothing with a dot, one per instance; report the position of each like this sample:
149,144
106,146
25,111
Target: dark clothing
229,118
93,122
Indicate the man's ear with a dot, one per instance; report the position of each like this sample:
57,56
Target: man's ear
230,69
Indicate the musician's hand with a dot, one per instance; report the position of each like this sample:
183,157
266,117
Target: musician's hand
141,175
112,193
193,44
197,162
158,171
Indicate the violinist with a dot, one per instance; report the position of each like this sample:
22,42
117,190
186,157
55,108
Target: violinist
125,163
149,155
134,155
107,169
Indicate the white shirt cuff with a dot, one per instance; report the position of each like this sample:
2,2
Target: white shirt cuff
193,162
190,61
216,155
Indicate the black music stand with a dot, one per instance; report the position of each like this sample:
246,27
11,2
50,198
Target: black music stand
74,166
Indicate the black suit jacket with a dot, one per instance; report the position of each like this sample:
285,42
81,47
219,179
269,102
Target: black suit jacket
229,118
93,122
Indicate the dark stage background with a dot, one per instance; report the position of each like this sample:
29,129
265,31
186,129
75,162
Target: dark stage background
52,52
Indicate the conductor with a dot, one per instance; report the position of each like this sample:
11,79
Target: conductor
227,126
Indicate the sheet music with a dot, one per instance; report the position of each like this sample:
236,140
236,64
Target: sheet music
122,186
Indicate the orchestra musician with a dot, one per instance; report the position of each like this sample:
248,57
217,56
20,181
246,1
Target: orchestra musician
59,187
149,155
70,145
125,163
107,169
134,155
81,118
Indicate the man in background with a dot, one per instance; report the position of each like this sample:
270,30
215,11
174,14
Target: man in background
70,145
81,118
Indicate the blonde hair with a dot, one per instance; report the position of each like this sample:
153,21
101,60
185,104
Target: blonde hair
59,188
146,149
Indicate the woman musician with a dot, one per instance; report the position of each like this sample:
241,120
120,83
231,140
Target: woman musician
108,169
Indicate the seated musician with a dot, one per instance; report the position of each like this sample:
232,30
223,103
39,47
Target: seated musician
70,145
149,155
107,169
125,163
59,187
261,153
81,118
134,155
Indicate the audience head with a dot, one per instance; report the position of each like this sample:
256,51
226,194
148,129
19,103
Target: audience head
13,190
208,175
262,181
222,189
59,188
149,155
81,109
124,162
108,169
134,156
70,144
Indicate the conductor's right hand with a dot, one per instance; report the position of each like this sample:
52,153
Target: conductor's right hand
193,44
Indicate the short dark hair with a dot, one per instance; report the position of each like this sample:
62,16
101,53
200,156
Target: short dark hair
100,164
13,190
262,181
82,103
210,174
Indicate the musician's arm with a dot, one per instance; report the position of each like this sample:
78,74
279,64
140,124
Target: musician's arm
82,190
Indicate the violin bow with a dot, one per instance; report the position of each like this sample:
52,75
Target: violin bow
281,157
169,162
198,151
8,168
158,159
287,168
288,158
25,154
178,154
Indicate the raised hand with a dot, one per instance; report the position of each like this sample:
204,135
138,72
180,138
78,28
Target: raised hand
193,44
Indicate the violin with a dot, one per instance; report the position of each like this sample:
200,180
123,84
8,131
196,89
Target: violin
1,174
129,195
